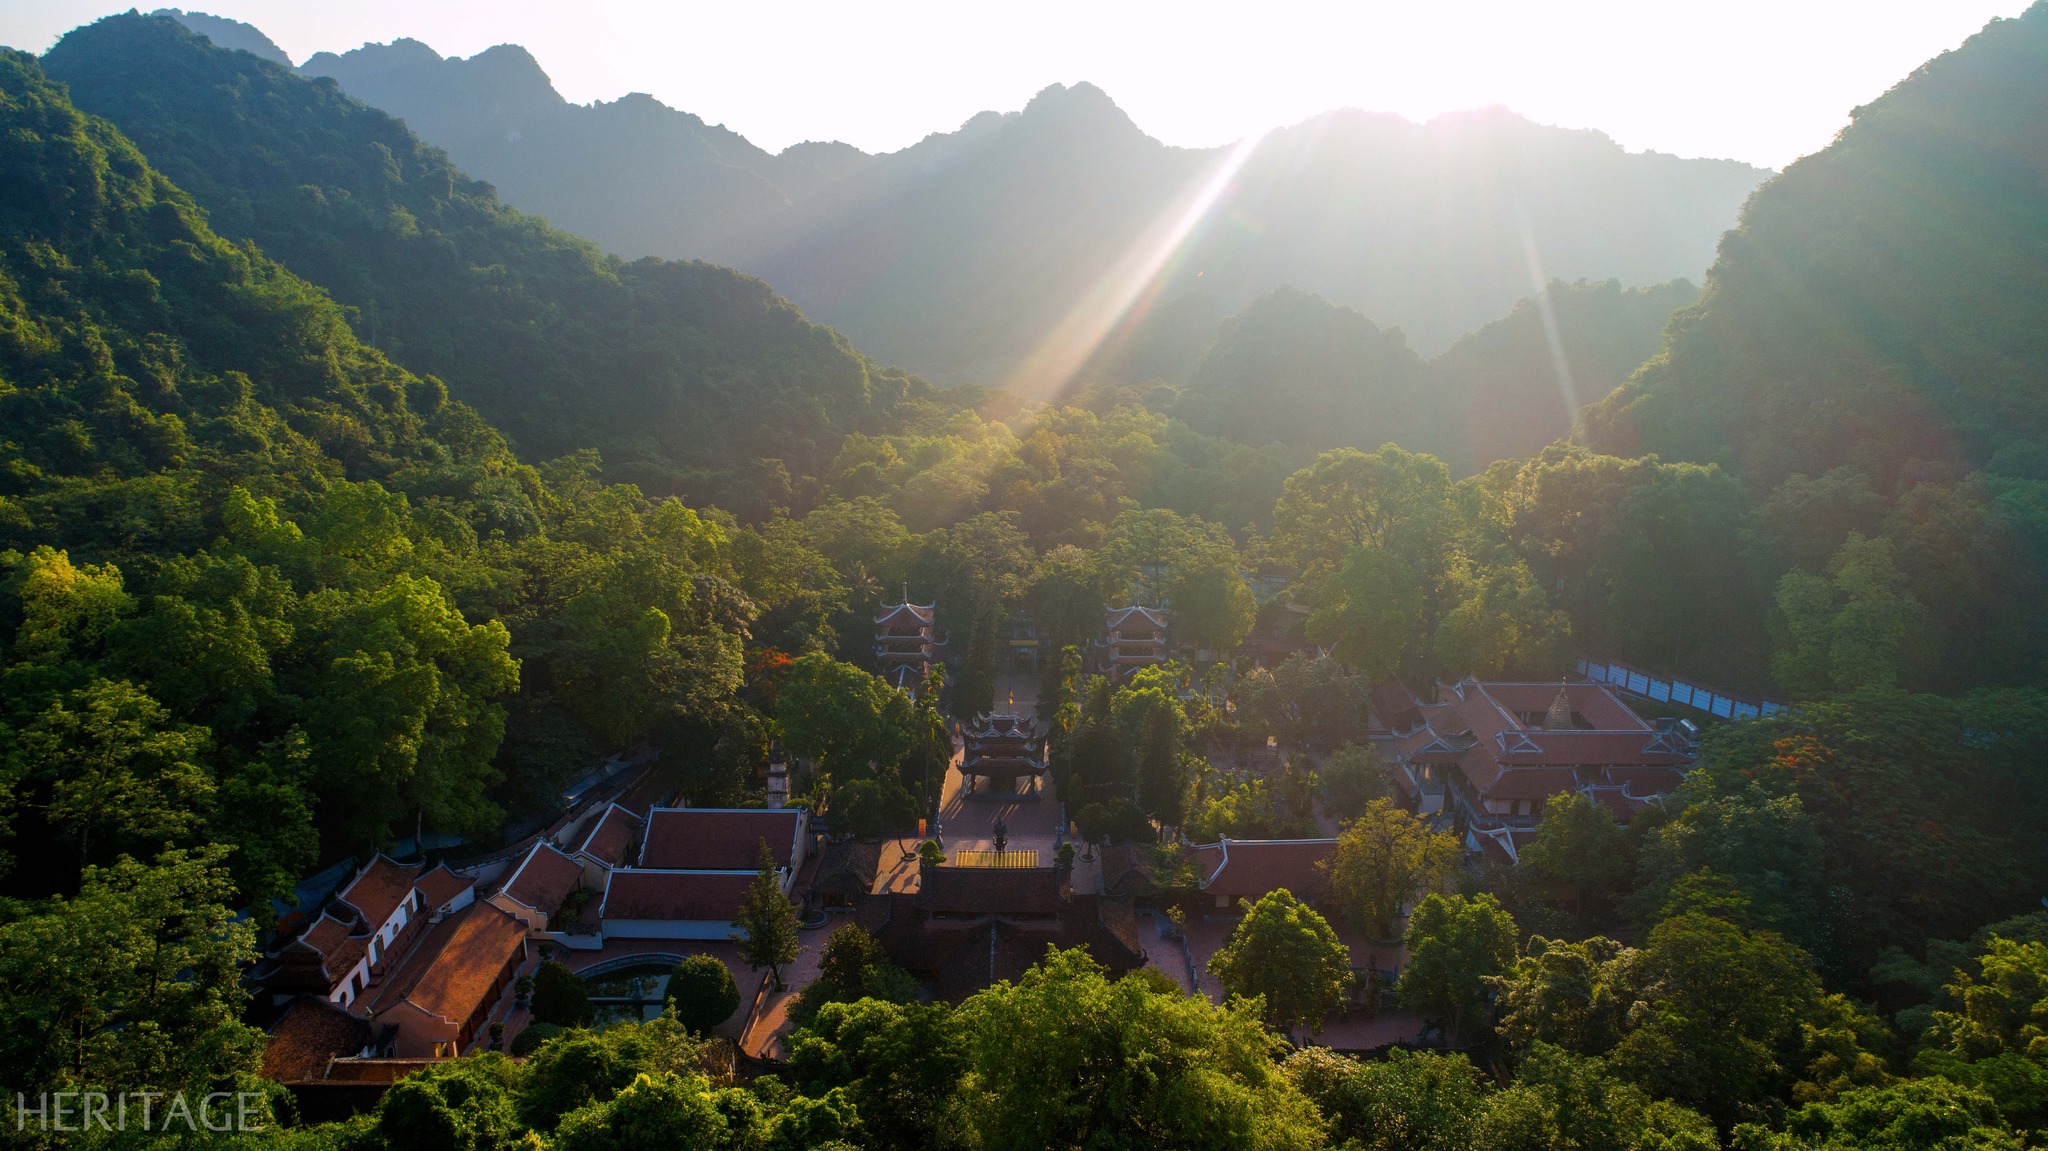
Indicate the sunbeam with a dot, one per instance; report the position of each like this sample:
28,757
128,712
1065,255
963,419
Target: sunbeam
1540,288
1126,289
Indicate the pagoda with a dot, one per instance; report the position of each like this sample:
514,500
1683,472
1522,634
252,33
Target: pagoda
904,645
1003,748
1136,639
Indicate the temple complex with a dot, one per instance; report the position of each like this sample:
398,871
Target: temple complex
1487,756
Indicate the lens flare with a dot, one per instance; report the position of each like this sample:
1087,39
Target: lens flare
1127,289
1540,283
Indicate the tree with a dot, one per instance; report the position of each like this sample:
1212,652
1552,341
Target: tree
1388,499
1067,1057
1456,947
135,983
1308,699
767,923
1931,1114
1579,843
559,997
852,966
702,991
1768,848
532,1036
1286,953
1386,858
403,716
461,1104
1367,612
580,1068
1573,996
1409,1101
653,1111
1565,1102
1849,631
899,1062
1161,737
2002,1008
66,610
1720,1016
1352,777
1501,625
121,774
1066,598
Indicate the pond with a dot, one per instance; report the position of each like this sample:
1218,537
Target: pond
632,993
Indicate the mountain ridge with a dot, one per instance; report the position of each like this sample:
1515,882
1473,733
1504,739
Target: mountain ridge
959,254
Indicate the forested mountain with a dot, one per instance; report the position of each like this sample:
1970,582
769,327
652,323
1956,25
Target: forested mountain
1297,370
956,256
233,35
266,588
1870,357
689,376
636,176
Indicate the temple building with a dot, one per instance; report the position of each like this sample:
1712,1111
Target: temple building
1136,638
1487,756
1003,749
904,645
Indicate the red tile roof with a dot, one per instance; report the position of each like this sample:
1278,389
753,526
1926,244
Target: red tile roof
1647,781
1394,706
1250,868
338,944
544,879
378,889
1595,702
458,963
697,895
717,839
1479,726
1532,783
1619,803
990,890
611,836
311,1032
441,886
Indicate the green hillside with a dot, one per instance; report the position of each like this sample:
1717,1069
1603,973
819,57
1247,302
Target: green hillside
1869,357
266,588
1297,370
1883,305
687,376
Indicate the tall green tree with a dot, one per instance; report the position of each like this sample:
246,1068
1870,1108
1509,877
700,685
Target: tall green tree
134,984
1385,859
767,924
1456,947
1068,1057
1285,954
1578,843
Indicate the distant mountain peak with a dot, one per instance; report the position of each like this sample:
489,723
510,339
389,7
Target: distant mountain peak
1079,105
233,35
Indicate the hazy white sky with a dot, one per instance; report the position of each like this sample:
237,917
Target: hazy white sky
1759,80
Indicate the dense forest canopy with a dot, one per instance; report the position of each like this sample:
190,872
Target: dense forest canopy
692,378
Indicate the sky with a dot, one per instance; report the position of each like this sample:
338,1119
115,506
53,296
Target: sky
1764,81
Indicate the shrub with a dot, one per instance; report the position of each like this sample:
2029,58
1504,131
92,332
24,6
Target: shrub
559,997
528,1041
702,992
